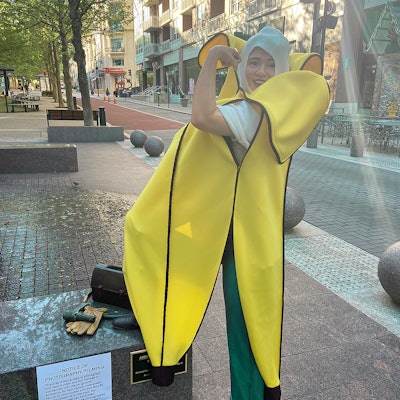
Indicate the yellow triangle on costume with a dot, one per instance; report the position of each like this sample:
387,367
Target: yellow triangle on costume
185,229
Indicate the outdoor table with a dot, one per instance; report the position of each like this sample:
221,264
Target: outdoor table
386,132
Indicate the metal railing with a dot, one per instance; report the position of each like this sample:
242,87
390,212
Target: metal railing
381,134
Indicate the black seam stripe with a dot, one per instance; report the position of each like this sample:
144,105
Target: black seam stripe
168,243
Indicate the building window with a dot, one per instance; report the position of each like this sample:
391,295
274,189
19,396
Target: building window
264,4
201,14
176,28
116,44
139,46
257,6
146,38
115,27
236,6
117,62
147,13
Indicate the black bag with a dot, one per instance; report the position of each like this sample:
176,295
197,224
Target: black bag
108,286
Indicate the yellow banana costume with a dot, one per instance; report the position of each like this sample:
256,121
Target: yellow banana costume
176,232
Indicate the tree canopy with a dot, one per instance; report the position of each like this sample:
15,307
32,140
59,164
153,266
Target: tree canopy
37,35
20,48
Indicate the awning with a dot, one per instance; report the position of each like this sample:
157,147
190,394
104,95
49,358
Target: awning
114,71
6,69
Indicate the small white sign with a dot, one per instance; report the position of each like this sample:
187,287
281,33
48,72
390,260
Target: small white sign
87,378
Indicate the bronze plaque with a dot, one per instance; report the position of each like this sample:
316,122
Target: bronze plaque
141,366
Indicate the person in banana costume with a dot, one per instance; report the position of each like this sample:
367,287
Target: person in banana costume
217,197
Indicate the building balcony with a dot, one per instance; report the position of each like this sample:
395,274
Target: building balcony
149,3
165,17
188,36
151,24
151,50
201,24
115,32
166,46
115,50
139,58
176,43
217,24
187,6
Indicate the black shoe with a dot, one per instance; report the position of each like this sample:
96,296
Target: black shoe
127,322
272,394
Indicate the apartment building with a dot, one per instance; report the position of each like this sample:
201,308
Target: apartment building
358,39
160,47
110,57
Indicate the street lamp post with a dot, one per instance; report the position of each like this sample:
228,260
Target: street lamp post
97,81
329,21
320,24
168,90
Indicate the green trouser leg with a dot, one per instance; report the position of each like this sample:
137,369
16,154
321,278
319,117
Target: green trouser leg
246,381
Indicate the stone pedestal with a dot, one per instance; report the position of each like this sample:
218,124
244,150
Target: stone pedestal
32,334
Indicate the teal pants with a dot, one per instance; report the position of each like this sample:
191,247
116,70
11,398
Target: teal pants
246,381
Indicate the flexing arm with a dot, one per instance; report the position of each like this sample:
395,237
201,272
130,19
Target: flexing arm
205,114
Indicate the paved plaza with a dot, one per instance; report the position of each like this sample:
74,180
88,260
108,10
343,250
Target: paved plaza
341,331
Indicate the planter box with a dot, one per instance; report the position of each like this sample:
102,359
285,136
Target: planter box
184,102
32,157
72,134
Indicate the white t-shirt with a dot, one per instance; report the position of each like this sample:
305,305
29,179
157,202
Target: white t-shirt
242,119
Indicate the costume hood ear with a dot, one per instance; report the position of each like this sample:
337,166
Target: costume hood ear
306,61
220,39
231,84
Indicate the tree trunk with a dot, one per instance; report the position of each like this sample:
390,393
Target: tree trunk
65,64
80,59
50,72
57,80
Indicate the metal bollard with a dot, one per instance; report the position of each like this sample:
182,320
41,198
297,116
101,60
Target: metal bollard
312,141
74,101
102,115
357,145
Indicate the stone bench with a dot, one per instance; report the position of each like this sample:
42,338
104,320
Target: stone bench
73,134
68,115
33,335
38,157
25,104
